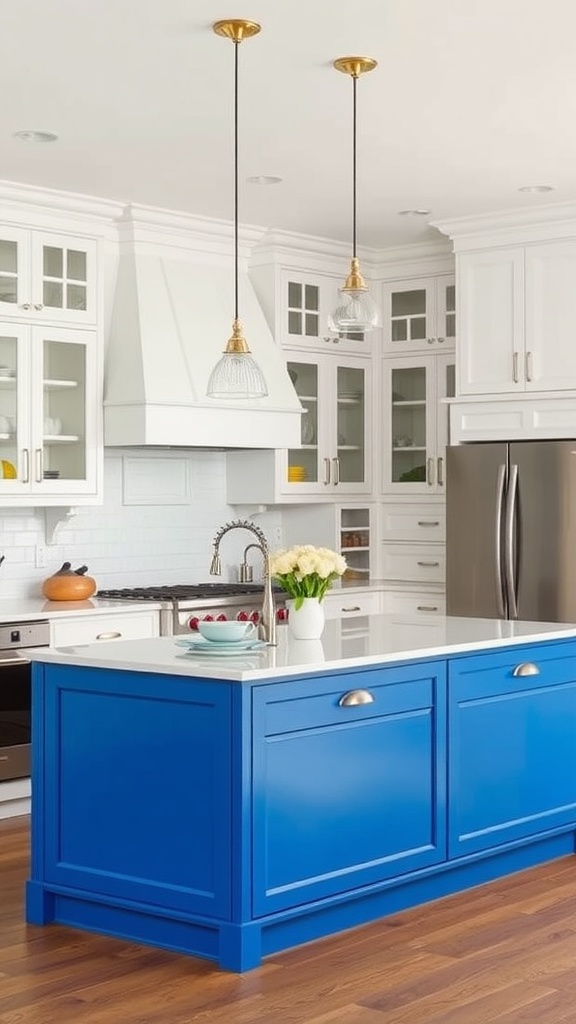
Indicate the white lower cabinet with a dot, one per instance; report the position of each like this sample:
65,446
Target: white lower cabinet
86,628
425,563
413,602
344,604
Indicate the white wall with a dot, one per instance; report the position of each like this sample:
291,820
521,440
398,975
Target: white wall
139,544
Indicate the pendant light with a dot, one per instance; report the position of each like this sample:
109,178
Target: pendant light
356,311
236,374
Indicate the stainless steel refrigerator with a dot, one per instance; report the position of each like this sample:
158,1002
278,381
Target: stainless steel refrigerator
511,530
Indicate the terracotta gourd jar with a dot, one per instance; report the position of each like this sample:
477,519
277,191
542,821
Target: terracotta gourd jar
69,584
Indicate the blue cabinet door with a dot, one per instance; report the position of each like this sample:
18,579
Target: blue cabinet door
136,791
346,795
512,741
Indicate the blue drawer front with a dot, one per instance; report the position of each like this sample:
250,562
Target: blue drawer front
512,743
338,806
121,829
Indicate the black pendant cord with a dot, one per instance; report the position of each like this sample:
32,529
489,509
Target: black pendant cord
236,47
355,81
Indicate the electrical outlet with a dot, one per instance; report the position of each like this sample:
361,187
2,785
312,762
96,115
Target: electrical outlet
40,556
277,536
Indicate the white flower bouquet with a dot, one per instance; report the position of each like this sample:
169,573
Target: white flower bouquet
306,571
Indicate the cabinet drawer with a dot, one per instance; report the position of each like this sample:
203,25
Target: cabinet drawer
349,605
417,602
413,522
87,629
283,713
424,563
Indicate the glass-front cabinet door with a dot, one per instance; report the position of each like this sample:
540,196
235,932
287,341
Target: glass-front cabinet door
334,426
48,411
419,314
47,277
417,423
307,301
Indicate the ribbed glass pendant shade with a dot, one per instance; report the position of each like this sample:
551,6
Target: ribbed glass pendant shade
237,375
356,313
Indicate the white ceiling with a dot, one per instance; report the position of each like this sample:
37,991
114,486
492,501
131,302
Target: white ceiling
471,100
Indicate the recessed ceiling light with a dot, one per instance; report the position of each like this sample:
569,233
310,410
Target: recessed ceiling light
264,179
414,213
32,135
537,188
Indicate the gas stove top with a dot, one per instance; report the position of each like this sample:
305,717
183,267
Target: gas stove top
184,592
184,604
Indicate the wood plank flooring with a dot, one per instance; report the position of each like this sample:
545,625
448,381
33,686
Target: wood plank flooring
503,952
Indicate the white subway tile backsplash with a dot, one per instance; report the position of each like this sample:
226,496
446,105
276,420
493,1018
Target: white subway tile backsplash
127,545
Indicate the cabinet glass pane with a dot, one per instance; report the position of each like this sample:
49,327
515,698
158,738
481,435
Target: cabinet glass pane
350,422
64,410
409,424
408,315
355,542
450,325
64,278
303,309
8,405
303,462
8,271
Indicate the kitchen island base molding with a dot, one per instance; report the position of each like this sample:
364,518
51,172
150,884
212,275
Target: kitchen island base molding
241,947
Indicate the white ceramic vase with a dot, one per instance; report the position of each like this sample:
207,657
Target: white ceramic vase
307,621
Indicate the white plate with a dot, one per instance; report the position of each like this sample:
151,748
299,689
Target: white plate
216,651
217,646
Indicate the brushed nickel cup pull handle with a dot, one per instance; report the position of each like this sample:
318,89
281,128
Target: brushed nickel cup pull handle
527,668
355,697
112,635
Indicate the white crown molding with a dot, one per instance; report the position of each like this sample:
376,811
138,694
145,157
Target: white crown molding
525,224
14,197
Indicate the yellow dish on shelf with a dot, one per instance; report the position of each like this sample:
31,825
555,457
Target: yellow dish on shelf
8,470
296,474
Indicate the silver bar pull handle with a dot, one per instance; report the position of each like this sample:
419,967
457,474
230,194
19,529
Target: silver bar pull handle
428,565
428,522
26,465
509,527
326,472
498,541
430,473
426,607
529,366
527,668
515,367
352,608
336,464
440,471
39,468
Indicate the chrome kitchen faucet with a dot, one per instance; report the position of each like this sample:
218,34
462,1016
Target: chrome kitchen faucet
267,624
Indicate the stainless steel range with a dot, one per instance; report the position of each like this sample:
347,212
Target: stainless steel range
185,605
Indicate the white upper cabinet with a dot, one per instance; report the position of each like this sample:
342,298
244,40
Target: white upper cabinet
419,314
517,317
47,277
414,427
334,457
297,304
50,414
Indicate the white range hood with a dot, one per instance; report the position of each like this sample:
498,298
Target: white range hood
172,316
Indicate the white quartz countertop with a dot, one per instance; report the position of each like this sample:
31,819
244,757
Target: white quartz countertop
387,638
31,609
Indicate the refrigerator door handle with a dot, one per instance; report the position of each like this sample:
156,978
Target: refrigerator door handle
501,481
509,525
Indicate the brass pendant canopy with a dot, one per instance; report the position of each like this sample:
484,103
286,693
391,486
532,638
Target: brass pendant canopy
236,374
356,311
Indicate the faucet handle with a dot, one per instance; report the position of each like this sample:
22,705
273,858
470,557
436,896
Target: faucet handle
216,565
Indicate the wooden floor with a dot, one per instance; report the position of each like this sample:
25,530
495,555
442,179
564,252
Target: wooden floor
503,952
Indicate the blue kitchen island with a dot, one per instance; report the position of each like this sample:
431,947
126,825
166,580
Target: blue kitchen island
232,807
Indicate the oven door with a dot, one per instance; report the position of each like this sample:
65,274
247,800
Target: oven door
15,677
